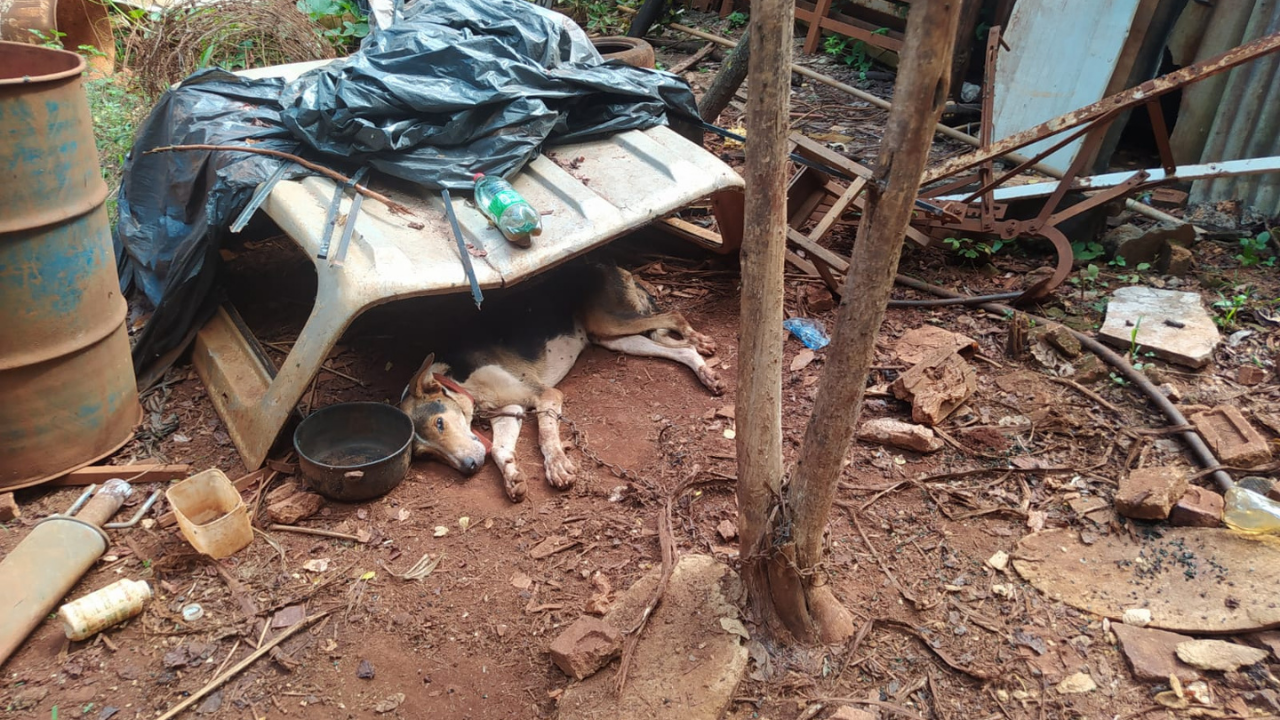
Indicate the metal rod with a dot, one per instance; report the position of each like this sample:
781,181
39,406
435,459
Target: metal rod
259,196
136,516
1254,166
331,216
349,227
476,295
80,501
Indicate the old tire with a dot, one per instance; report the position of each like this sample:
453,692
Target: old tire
631,51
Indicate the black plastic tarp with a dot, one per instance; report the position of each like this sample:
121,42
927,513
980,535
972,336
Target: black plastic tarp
454,87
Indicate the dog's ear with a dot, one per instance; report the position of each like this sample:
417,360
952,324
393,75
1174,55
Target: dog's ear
424,383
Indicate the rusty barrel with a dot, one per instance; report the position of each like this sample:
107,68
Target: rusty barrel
67,391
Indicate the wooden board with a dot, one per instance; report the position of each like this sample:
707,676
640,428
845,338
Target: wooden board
98,474
1193,580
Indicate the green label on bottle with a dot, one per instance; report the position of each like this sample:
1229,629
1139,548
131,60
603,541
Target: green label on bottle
502,200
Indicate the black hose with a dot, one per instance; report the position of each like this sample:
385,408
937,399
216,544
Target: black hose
1201,452
967,300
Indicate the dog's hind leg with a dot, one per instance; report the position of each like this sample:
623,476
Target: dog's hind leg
560,470
506,431
645,347
607,325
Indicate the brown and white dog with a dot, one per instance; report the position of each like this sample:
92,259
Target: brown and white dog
512,363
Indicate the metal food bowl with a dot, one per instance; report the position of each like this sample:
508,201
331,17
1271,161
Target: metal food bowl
354,451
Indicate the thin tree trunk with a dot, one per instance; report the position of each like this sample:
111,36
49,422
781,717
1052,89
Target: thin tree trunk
759,439
919,96
734,70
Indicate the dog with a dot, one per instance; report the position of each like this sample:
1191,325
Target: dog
511,364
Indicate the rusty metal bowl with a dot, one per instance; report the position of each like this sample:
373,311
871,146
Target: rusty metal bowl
354,451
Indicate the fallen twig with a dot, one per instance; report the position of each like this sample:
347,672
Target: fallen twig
891,707
1086,392
853,517
418,570
666,540
314,531
693,60
220,679
334,175
944,657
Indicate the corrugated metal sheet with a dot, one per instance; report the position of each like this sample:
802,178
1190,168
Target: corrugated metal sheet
1235,115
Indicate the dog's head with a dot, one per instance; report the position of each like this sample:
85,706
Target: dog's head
442,421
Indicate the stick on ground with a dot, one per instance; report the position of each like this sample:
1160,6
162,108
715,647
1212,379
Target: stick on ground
217,682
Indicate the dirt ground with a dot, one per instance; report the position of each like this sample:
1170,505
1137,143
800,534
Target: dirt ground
909,542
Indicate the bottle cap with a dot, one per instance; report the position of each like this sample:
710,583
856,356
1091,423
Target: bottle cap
477,176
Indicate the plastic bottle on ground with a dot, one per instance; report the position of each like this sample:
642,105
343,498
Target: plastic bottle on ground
506,209
99,610
1247,511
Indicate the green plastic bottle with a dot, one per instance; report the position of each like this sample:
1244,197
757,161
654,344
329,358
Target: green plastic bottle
505,208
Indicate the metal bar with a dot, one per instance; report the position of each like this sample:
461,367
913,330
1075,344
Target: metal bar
331,215
1120,101
987,169
1087,151
1030,161
259,196
462,248
1156,176
348,228
136,516
1161,131
1095,200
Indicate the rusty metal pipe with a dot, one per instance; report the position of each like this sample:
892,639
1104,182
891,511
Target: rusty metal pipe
37,574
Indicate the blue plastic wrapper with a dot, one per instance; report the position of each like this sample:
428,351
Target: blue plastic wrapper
810,332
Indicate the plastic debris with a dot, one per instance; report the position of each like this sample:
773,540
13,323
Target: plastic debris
813,333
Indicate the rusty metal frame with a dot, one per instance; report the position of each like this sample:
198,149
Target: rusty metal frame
1091,123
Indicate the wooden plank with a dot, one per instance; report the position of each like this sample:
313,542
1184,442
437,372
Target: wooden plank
837,209
98,474
818,252
814,35
691,232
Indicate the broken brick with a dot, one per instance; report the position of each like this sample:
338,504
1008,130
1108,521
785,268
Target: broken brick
1250,375
1152,654
818,299
917,344
1062,340
887,431
1231,438
585,646
1197,508
936,386
1175,261
9,509
1150,493
295,507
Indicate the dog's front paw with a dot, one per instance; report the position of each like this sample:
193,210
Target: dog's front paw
516,488
703,344
513,482
711,379
561,472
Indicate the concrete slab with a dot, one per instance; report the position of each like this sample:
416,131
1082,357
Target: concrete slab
1173,325
686,665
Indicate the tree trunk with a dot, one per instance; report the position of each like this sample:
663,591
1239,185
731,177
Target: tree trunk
920,95
734,70
781,538
759,439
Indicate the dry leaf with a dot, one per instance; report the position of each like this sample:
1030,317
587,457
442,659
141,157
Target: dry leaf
734,626
802,359
520,581
318,565
464,522
441,531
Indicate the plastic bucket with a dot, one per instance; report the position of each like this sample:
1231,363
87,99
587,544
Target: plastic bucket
211,514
